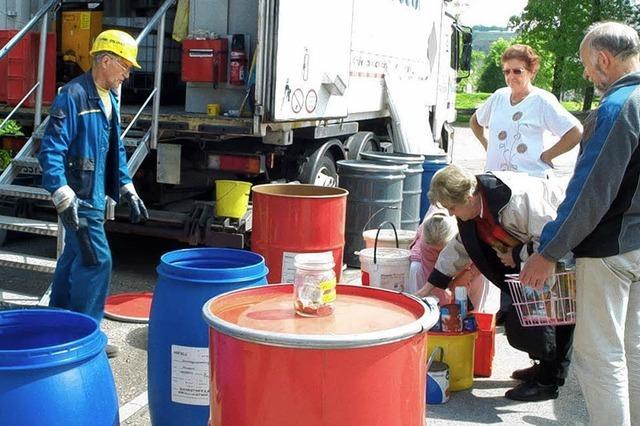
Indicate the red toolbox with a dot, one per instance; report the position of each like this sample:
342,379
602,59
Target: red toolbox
485,344
20,68
205,61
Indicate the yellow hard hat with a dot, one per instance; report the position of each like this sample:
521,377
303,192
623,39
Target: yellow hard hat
118,42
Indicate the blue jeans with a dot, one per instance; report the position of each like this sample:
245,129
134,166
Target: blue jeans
77,287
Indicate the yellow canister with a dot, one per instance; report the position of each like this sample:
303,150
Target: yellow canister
213,109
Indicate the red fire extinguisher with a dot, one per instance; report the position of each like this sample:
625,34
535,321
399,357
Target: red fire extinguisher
238,61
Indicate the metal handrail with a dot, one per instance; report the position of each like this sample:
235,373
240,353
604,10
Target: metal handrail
15,109
41,14
135,118
159,19
32,22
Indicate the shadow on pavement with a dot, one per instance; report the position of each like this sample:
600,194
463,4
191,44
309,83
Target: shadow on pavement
138,338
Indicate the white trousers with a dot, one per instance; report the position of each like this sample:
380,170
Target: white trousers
606,342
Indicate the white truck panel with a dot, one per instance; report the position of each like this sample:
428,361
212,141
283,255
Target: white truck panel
312,65
331,64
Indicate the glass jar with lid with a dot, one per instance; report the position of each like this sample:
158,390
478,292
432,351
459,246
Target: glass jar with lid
314,284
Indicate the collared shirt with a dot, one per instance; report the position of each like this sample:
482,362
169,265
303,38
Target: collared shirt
105,97
491,232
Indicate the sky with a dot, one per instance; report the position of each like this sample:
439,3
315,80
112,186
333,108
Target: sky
490,12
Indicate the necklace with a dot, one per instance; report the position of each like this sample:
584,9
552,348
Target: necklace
516,100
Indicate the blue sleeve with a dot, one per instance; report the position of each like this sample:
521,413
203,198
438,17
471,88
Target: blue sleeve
58,136
608,140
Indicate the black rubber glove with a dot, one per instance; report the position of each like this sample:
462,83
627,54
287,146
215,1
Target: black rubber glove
137,211
69,216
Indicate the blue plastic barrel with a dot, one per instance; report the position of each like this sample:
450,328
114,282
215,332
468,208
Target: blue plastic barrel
54,370
178,354
431,165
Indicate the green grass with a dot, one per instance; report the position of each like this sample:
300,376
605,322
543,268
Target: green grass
470,100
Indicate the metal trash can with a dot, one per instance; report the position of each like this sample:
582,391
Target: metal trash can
412,187
375,196
432,163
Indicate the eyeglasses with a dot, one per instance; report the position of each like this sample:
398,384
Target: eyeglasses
516,71
125,68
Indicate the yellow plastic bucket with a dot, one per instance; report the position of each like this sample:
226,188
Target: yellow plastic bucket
458,353
232,198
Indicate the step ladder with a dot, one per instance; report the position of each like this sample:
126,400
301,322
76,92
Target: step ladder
25,158
25,161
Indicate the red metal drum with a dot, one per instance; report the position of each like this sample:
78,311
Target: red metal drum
293,219
363,365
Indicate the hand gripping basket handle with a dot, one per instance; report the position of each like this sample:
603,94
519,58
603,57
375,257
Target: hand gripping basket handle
375,244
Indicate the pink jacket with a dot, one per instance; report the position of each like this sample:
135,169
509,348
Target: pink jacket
427,255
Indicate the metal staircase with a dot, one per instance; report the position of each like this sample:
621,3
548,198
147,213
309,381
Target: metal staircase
26,158
139,143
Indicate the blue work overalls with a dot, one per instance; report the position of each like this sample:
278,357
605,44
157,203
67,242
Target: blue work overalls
82,149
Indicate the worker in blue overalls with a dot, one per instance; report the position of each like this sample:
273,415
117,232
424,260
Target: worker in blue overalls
83,160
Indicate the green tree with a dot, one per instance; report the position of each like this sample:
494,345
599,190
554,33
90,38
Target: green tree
477,63
491,77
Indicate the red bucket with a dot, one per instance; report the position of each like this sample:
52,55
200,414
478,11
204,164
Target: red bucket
363,365
293,219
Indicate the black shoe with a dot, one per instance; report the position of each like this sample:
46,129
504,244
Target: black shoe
531,374
112,351
532,391
527,374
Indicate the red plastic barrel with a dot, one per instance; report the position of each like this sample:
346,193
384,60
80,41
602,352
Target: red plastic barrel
363,365
293,219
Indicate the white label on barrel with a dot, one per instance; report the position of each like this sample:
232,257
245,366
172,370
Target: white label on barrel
288,270
189,375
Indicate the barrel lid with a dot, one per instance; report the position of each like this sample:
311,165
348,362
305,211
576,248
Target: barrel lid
370,166
129,307
363,316
299,190
393,157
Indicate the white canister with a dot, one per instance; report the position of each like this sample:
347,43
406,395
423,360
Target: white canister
437,378
385,268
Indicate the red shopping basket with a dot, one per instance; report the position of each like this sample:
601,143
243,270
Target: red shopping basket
554,305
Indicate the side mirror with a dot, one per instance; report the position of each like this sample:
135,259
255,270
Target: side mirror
465,57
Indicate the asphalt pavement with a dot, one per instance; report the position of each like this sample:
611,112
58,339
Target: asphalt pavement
135,259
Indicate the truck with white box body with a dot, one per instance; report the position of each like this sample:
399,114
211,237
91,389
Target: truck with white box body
273,90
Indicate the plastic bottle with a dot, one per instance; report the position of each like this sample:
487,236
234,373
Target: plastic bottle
461,300
314,284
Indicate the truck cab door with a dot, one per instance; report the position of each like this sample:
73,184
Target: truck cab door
310,60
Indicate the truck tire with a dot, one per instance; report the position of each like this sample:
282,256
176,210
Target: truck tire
326,173
320,165
361,142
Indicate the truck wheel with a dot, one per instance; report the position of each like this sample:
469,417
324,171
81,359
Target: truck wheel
319,163
361,142
326,173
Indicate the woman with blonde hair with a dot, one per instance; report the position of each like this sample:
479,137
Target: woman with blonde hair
500,218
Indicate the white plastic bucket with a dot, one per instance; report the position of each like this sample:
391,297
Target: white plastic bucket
385,268
388,239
